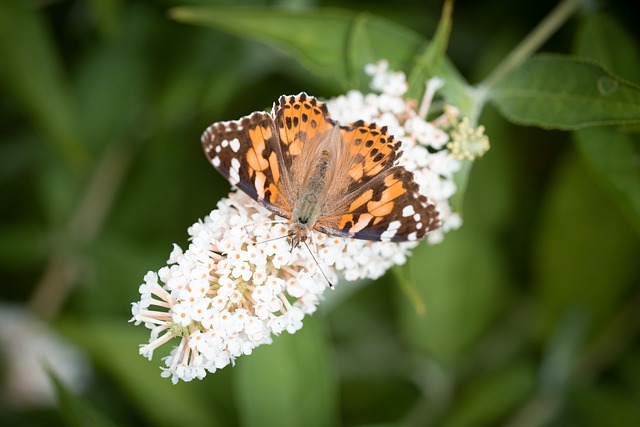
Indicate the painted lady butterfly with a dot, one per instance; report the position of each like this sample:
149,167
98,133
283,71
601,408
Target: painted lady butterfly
339,180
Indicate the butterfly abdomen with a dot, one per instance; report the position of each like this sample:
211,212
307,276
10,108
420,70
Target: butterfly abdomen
306,208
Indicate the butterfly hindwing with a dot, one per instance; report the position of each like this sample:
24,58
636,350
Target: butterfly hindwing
387,208
247,153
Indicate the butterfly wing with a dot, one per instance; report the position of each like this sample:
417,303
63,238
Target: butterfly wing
301,121
248,153
376,199
388,208
371,150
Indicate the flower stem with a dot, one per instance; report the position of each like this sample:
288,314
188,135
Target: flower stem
540,34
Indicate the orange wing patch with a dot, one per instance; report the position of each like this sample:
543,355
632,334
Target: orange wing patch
246,152
371,147
300,119
386,208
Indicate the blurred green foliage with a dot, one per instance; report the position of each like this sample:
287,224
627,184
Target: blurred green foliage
532,307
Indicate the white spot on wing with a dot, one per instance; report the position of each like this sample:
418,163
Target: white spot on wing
234,144
391,231
234,171
224,143
215,161
259,183
408,211
412,236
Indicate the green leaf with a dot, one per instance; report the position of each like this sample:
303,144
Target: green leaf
289,383
435,54
612,156
332,43
586,255
317,39
30,69
566,93
611,153
601,38
433,62
372,39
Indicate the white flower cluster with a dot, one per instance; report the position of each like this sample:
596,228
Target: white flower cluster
239,283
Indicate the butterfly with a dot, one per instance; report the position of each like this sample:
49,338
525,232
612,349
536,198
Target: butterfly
342,180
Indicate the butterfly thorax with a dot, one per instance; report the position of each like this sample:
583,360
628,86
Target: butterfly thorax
306,208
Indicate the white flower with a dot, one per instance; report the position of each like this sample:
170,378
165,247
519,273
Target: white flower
239,283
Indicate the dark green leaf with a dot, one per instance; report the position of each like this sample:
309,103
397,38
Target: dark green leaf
435,53
372,39
433,62
613,157
289,383
317,39
566,93
612,154
601,38
332,43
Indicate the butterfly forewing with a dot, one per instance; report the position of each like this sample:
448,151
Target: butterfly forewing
247,152
300,120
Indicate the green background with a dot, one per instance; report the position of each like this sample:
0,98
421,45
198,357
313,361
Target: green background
532,308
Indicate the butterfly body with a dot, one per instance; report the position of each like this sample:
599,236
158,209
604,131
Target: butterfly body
341,180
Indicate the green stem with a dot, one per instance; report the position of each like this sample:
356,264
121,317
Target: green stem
533,41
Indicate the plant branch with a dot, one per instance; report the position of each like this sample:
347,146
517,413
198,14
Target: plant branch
532,42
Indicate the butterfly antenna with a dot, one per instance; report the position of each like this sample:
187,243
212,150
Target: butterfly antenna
271,240
319,268
273,221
